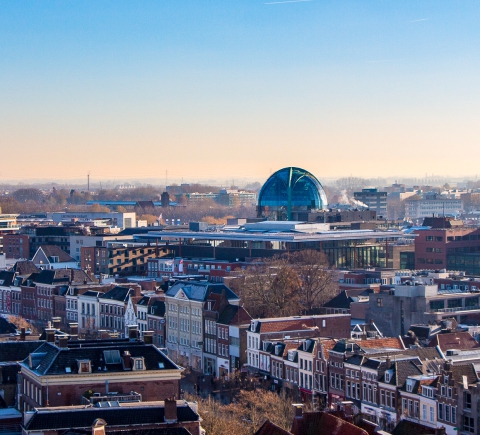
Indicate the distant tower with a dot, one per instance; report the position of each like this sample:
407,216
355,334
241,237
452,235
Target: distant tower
165,199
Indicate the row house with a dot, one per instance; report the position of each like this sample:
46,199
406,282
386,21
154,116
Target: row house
113,307
192,310
266,330
156,321
10,294
232,325
418,400
453,386
89,311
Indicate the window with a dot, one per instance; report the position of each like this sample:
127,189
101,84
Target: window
379,302
454,414
447,412
424,412
432,414
440,411
84,366
468,424
467,400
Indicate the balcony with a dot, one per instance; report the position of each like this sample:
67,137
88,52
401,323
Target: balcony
112,397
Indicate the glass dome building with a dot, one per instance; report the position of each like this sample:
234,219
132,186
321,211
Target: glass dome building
290,190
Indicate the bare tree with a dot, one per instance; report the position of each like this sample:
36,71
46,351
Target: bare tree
319,282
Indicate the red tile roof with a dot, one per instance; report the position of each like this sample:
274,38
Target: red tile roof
382,343
314,423
269,428
454,340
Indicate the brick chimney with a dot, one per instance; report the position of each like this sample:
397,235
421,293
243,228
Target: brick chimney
22,334
148,337
73,330
132,332
63,341
298,408
98,427
171,410
50,334
56,321
127,361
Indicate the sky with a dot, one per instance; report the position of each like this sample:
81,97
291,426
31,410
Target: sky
190,89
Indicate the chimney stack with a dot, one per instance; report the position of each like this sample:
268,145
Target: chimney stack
50,334
73,329
127,362
132,332
171,410
56,322
63,341
148,337
298,407
22,334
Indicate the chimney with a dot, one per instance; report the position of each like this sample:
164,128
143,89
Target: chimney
56,322
148,337
73,329
388,362
298,408
127,362
22,334
171,410
63,341
50,334
98,427
103,334
132,332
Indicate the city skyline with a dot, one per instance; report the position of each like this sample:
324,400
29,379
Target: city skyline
232,91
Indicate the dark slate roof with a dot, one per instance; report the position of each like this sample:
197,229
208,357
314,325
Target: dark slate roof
55,419
344,298
25,267
468,370
200,290
269,428
6,327
55,359
54,251
61,276
234,315
406,427
158,308
6,278
17,350
9,373
343,346
454,340
92,293
118,293
402,370
144,301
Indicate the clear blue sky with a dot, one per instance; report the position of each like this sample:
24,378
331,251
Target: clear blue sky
238,88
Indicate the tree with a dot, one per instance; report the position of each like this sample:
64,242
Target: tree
20,322
270,288
318,280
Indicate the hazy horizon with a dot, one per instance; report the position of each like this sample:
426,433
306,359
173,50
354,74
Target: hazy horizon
237,90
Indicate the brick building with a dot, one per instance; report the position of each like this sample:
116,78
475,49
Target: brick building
63,373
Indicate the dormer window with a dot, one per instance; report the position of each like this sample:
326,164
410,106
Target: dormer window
291,355
388,377
409,386
84,366
138,363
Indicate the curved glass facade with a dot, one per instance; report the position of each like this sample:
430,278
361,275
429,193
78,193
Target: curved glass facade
290,190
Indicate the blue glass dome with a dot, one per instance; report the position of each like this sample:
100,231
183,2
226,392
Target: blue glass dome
290,190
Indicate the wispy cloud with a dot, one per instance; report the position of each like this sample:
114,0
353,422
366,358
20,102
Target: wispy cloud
287,1
417,21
